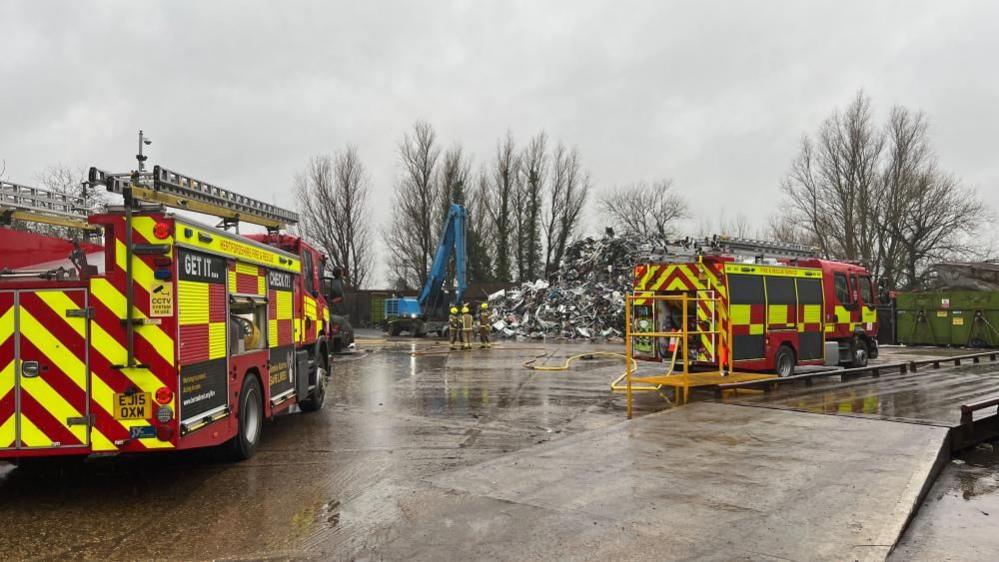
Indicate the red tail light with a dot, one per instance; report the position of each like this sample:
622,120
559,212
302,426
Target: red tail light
164,432
164,395
161,230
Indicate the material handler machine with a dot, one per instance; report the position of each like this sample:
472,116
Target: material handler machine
428,312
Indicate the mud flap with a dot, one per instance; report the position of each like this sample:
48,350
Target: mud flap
302,375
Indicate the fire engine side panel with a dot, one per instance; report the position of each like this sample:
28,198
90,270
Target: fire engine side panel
747,298
810,334
768,310
201,284
280,336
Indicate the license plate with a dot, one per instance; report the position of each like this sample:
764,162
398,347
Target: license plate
138,406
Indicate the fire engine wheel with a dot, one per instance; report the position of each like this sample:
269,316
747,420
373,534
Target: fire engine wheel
860,353
784,361
317,398
251,419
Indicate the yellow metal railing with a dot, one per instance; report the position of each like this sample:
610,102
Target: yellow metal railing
682,380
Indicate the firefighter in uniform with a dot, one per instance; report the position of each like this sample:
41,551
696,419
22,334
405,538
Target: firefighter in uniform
466,327
454,326
484,325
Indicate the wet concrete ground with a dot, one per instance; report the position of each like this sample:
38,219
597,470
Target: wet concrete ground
373,476
336,484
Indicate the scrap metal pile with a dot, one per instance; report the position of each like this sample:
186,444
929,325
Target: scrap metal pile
585,299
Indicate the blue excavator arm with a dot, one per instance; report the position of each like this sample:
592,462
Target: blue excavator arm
452,238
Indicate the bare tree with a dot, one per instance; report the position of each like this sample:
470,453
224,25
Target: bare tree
781,227
569,187
833,180
502,195
501,201
877,195
71,183
927,216
529,206
453,176
650,211
411,237
333,195
480,231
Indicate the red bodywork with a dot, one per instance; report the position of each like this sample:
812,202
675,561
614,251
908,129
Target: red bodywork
93,339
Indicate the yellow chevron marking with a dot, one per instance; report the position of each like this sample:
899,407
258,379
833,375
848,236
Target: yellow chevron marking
31,436
664,274
649,272
7,325
144,226
104,291
55,404
8,431
50,346
103,397
7,379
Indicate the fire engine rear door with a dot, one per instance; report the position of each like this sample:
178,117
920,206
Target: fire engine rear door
49,379
8,386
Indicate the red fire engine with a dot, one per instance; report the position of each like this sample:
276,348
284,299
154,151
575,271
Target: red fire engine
759,307
181,336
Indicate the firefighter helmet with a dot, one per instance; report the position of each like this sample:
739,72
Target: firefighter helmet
464,309
454,310
485,305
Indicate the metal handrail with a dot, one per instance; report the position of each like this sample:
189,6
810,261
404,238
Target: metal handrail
968,410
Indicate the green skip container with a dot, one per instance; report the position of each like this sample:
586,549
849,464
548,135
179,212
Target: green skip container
952,318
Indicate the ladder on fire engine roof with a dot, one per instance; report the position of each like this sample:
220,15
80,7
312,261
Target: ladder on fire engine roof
171,189
33,204
730,246
178,191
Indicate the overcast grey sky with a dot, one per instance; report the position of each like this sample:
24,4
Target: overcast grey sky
713,94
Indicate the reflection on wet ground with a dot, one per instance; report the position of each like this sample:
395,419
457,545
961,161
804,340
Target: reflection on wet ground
931,395
339,483
957,520
322,485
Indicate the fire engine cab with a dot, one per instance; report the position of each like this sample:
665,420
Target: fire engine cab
179,335
759,307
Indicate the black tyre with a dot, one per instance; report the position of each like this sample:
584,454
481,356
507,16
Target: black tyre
317,397
861,354
784,361
337,346
251,419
